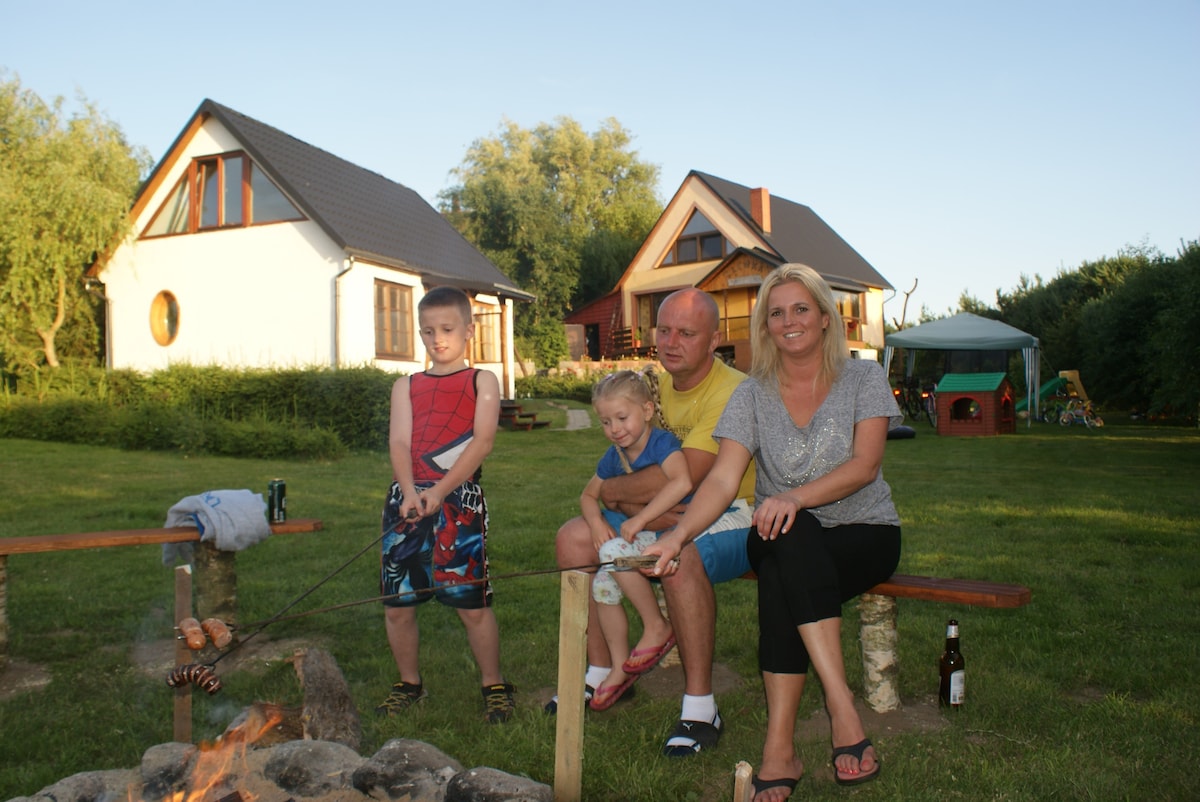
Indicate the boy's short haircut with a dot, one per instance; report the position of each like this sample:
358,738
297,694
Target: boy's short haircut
447,296
622,384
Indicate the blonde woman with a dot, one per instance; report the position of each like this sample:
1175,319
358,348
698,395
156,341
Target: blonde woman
814,422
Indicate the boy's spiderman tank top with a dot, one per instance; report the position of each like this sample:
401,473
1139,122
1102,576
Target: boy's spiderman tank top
443,421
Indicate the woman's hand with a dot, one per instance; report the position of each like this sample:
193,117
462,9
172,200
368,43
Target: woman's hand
666,550
775,515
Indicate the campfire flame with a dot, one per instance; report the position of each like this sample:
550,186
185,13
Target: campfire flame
221,762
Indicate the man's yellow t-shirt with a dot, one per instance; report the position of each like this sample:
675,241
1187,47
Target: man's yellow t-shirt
693,414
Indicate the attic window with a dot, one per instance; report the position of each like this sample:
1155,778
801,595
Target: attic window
216,192
698,242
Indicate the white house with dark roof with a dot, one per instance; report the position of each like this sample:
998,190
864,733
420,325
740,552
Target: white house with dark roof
724,238
251,248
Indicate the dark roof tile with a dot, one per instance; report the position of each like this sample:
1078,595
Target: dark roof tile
367,214
799,235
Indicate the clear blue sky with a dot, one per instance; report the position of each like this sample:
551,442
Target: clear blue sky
960,144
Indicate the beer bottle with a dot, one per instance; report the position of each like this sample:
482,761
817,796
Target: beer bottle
953,688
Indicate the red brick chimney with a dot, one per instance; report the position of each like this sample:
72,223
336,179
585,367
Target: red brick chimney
760,208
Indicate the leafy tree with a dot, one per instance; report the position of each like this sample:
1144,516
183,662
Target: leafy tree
65,190
1142,341
559,210
1051,311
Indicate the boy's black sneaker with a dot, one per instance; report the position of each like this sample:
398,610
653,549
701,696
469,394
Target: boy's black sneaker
403,696
498,701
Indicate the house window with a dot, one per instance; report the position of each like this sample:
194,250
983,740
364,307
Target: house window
698,242
216,192
164,318
849,306
393,321
486,347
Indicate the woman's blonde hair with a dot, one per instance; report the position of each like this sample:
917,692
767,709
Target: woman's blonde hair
764,358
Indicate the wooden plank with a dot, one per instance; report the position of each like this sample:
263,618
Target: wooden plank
975,592
182,719
572,667
958,591
34,544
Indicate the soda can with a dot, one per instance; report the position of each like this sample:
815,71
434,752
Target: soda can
276,501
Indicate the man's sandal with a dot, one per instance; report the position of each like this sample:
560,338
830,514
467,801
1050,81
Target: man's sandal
855,751
701,734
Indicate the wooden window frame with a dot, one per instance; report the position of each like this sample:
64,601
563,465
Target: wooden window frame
193,180
384,292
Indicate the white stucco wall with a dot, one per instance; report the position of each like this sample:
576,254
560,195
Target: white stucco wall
281,295
250,297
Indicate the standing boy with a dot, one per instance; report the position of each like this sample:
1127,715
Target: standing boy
443,424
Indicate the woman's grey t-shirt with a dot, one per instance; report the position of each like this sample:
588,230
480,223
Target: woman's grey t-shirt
787,456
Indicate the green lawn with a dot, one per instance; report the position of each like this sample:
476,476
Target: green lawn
1088,693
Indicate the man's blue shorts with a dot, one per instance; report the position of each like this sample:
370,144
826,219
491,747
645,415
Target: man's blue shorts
722,546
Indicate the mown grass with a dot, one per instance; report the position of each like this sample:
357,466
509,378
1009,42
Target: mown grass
1088,693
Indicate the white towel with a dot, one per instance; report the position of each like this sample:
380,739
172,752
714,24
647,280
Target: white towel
231,519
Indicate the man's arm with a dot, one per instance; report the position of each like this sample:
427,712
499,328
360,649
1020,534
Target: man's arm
631,491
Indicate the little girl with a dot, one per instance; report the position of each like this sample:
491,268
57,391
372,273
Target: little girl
625,408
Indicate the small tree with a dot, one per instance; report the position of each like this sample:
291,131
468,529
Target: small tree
66,186
559,210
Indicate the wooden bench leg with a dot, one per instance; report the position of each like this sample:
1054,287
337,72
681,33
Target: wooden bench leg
877,634
3,611
572,667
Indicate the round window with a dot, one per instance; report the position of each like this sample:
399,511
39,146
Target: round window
164,318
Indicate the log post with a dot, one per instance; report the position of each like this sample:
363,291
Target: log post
877,634
572,667
183,655
216,583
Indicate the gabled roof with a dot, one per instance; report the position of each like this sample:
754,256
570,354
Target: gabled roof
799,235
971,382
366,214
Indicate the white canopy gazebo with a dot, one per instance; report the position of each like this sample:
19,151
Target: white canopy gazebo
968,332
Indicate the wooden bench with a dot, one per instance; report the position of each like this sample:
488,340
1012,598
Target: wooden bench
878,633
513,417
216,588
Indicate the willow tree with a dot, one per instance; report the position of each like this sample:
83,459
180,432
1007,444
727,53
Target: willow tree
66,185
559,210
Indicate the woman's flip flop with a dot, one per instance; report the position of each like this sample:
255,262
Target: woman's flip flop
855,751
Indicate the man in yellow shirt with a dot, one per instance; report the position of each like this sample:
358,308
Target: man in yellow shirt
692,401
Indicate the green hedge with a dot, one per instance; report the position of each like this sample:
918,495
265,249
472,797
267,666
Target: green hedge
255,413
564,386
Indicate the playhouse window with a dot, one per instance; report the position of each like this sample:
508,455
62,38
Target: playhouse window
966,409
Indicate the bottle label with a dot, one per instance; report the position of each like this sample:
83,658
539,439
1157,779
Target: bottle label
958,686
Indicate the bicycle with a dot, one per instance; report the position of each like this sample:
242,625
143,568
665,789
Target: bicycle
929,399
1078,411
915,400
